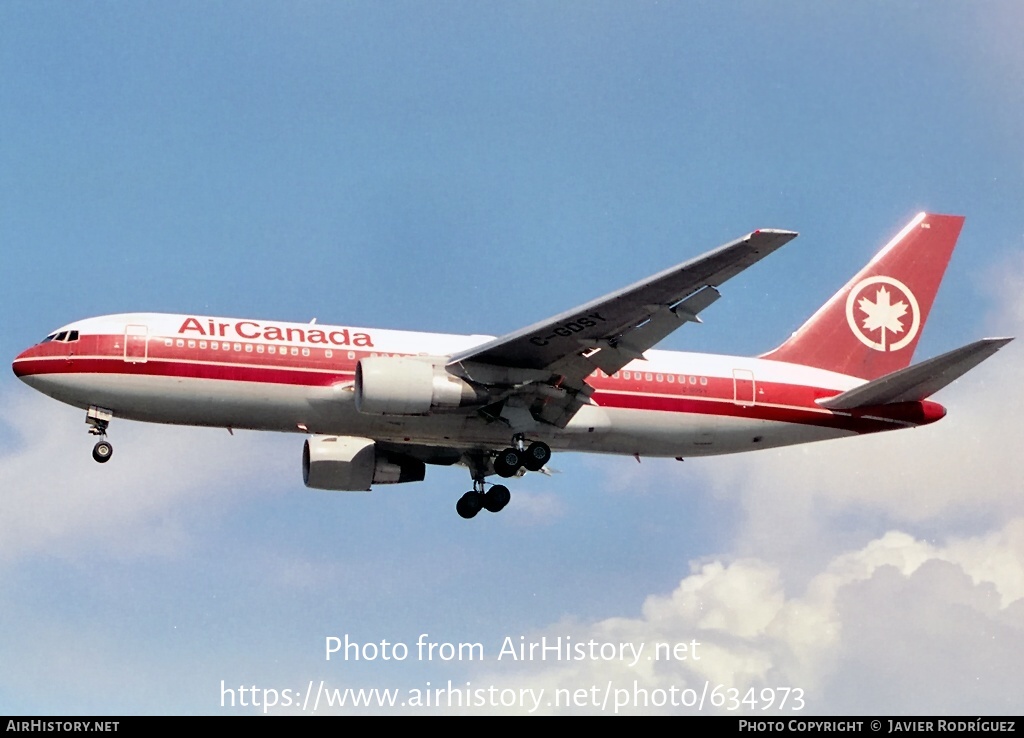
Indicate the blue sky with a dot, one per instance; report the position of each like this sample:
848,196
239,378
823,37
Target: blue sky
472,168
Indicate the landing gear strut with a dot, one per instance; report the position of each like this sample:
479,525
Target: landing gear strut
493,500
506,464
98,419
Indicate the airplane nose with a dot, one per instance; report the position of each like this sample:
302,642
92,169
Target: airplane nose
20,365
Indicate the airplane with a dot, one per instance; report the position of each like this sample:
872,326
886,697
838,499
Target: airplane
377,406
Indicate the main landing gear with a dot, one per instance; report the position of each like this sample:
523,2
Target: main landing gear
506,464
519,456
493,500
98,419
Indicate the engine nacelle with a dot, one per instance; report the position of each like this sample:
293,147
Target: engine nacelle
397,385
351,464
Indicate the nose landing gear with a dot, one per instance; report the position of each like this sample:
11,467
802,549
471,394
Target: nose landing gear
98,419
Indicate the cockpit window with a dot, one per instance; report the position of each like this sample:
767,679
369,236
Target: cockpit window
63,337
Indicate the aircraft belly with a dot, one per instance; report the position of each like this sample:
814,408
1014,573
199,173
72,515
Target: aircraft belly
261,406
654,433
331,410
184,401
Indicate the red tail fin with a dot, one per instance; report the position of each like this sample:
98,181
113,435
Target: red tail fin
871,326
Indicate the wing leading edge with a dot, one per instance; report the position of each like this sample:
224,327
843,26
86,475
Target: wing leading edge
546,364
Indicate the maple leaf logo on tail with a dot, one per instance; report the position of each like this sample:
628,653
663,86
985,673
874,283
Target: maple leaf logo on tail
882,316
870,327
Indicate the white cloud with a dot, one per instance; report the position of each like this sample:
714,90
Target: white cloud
896,626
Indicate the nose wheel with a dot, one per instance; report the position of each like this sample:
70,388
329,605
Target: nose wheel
102,452
98,419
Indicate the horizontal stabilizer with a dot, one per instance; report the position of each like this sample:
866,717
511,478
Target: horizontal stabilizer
917,382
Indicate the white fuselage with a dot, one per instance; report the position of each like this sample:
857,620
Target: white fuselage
267,375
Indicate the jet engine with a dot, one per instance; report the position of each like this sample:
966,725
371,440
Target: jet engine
351,464
397,385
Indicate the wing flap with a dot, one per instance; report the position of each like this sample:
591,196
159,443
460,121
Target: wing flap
610,357
917,382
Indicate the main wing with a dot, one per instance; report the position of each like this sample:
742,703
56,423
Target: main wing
545,365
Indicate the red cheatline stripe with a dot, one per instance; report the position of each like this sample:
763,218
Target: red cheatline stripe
194,370
719,407
305,377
